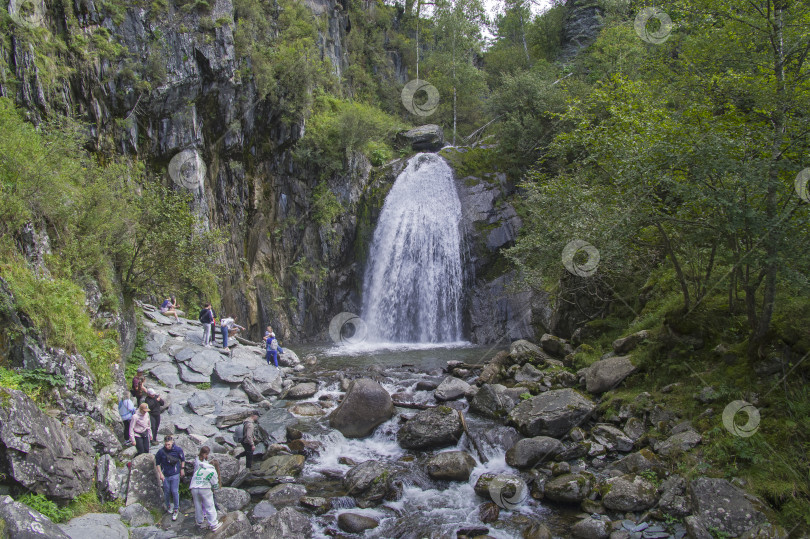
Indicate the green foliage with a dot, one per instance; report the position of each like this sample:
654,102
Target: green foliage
277,43
137,357
325,205
204,386
338,128
40,503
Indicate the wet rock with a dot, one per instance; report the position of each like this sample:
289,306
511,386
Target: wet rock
591,528
308,448
286,524
555,345
492,401
229,499
285,494
354,523
262,510
104,525
143,485
488,512
39,453
612,438
552,413
452,388
108,480
634,428
302,391
530,451
721,506
506,490
451,465
537,530
626,344
22,522
201,403
368,482
426,385
432,428
501,436
282,465
273,424
316,503
679,443
607,373
309,409
231,373
428,137
628,493
136,515
569,488
365,406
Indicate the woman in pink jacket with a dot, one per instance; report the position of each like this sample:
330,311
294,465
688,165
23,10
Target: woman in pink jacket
140,429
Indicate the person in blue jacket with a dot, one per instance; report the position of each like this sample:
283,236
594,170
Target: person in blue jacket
273,348
169,463
126,409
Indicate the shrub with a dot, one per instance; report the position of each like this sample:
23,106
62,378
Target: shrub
39,502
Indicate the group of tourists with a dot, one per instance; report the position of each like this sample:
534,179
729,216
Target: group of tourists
140,414
228,327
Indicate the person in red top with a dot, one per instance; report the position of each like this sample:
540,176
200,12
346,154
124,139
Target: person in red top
138,390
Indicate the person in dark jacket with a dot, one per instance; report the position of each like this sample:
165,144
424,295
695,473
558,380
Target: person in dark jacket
169,463
207,320
249,439
138,391
156,405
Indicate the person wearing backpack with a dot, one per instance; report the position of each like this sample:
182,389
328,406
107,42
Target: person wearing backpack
126,409
206,319
204,480
273,348
247,437
169,463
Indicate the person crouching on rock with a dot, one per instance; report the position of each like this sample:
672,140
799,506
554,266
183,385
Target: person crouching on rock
204,480
140,429
229,327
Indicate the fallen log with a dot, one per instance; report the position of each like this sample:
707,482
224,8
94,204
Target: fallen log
412,405
481,456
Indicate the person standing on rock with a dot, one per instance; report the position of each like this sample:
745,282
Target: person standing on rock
228,326
155,404
140,429
249,438
169,463
272,346
204,480
126,409
137,387
207,319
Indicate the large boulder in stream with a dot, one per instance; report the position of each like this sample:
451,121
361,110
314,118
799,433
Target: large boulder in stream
40,454
366,405
451,465
431,428
553,413
368,482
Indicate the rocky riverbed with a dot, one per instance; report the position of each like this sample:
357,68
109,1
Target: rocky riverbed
512,446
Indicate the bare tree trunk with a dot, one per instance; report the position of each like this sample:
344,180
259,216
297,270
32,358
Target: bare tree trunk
677,265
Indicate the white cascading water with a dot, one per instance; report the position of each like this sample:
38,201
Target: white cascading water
413,284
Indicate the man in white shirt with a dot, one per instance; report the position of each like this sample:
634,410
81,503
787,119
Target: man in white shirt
229,327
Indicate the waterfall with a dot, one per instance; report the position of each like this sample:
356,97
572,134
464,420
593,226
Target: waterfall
412,289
